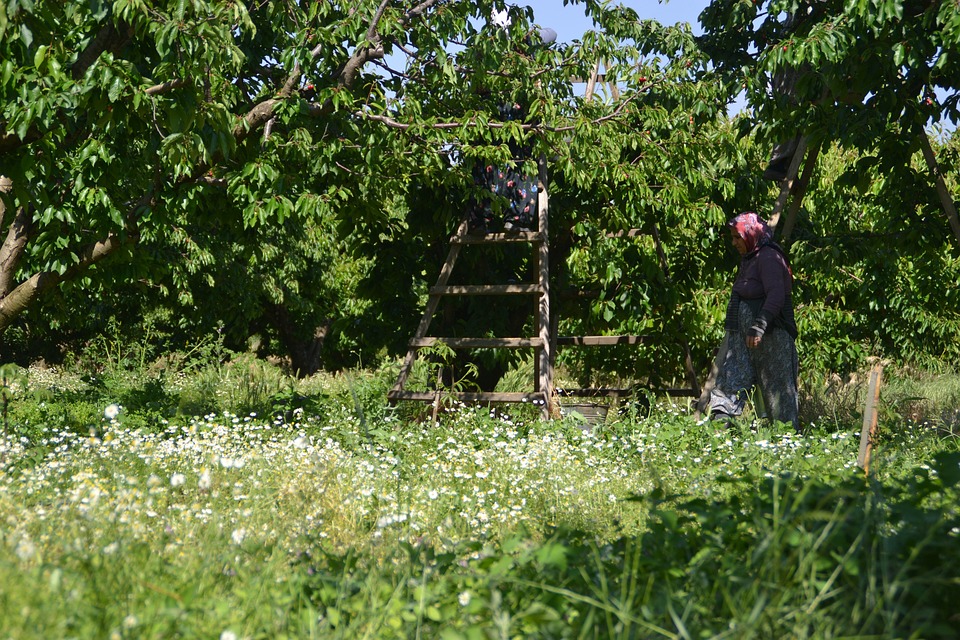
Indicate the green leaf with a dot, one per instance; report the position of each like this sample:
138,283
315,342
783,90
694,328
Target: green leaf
40,55
116,87
26,35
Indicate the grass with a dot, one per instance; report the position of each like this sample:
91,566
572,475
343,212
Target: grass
324,513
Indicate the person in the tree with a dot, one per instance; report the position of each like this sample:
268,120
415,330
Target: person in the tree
517,191
785,88
760,326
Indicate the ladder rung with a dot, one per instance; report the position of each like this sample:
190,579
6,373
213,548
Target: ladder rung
594,341
486,289
466,396
603,392
497,238
477,343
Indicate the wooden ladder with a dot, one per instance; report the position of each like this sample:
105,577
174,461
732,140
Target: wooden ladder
542,392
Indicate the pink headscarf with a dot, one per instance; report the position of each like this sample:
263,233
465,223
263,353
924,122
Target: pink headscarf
752,229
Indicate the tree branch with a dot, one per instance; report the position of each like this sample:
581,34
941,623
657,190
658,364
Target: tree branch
164,87
110,38
13,304
949,208
315,109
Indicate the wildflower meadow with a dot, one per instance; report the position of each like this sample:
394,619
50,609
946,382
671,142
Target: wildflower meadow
336,516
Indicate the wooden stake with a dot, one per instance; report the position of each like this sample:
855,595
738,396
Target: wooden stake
544,381
592,82
703,402
869,428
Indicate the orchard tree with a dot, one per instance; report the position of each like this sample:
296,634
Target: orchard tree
123,121
130,130
874,251
869,75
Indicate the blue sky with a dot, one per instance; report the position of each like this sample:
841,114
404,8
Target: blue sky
570,22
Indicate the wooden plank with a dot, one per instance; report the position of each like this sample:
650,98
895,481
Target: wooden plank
432,303
601,341
544,362
605,392
592,82
466,396
703,403
687,354
476,343
486,290
498,238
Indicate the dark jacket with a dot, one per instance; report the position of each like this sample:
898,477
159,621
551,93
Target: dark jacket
765,283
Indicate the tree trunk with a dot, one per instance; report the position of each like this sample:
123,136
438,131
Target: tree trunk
16,242
306,355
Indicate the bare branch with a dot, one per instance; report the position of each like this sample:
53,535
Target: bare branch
419,10
372,35
396,124
164,87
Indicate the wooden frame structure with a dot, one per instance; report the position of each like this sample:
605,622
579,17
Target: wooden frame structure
546,342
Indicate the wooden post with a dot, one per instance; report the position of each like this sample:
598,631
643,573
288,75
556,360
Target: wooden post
801,190
432,304
439,397
592,83
545,359
787,185
704,401
869,428
687,354
948,207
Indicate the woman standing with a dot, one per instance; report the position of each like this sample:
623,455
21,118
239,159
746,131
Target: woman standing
761,329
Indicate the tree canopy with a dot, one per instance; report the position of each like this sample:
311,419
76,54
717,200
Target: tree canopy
296,167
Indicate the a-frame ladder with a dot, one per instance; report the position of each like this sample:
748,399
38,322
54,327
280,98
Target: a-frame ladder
545,343
542,391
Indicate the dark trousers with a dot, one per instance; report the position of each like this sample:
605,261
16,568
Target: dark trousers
773,366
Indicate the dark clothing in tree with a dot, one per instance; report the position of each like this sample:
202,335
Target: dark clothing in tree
512,198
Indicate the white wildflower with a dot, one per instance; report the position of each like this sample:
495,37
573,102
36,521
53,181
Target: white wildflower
26,549
112,411
205,480
177,480
464,598
238,535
